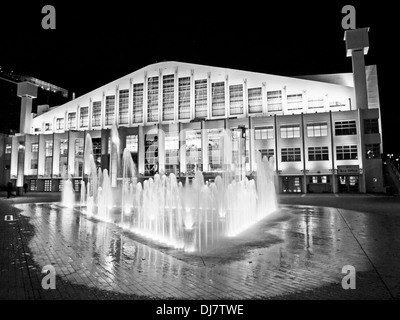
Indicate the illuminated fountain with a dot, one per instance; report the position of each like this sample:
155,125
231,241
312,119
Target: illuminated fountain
194,216
68,194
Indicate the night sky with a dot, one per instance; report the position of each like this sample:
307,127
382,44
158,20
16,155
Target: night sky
97,44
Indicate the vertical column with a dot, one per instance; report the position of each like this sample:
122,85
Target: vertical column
90,114
116,110
284,100
176,95
245,100
305,101
361,151
182,149
130,102
334,182
21,162
204,145
161,148
145,101
303,144
251,144
276,136
192,95
264,98
141,150
160,96
103,110
209,96
227,100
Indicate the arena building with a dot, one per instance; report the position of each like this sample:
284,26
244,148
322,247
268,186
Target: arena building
323,131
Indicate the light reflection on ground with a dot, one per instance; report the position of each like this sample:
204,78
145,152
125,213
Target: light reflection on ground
301,248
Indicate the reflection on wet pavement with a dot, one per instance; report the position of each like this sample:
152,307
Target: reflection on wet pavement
304,250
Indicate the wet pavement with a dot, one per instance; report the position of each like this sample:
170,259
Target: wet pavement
297,253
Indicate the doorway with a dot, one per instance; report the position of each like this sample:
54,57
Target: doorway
348,184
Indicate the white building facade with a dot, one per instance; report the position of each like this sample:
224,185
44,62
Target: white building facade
172,116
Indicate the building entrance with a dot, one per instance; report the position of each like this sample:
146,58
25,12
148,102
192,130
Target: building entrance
348,184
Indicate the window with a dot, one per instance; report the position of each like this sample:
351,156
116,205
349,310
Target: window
84,117
266,133
72,120
96,143
33,185
47,185
34,147
64,147
295,101
79,147
346,153
215,150
290,131
8,148
171,152
152,99
77,185
110,110
168,97
193,152
255,100
184,98
78,163
373,151
343,128
371,126
200,98
267,153
132,143
48,126
274,100
319,179
48,161
123,106
317,130
137,105
236,99
291,184
60,185
63,161
96,116
291,154
34,164
49,148
316,103
318,153
218,99
151,154
240,147
60,124
337,104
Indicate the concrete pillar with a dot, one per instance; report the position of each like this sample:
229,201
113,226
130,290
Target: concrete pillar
26,91
357,45
161,149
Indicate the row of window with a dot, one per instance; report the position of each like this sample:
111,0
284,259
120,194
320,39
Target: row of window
322,153
371,126
235,96
47,185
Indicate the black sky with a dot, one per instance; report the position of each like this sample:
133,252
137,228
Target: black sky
98,43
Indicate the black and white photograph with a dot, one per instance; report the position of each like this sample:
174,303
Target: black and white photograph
199,159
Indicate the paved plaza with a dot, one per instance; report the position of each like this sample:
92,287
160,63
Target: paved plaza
296,253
